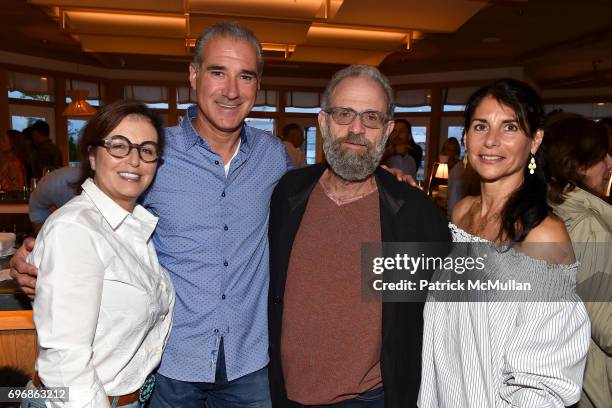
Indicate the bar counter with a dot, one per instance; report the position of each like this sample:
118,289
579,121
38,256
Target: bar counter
17,333
14,202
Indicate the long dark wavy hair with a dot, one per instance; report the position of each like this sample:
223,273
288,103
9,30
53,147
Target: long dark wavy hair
526,207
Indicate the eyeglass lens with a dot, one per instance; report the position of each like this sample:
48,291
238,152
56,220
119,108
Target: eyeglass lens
345,116
120,146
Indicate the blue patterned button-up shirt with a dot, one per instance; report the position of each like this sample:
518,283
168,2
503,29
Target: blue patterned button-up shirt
212,237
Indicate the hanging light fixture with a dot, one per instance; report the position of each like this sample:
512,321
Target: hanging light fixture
79,106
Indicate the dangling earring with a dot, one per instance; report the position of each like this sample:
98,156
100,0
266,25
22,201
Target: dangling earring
465,160
532,164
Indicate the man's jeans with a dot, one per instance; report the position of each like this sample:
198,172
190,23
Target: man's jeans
371,399
250,391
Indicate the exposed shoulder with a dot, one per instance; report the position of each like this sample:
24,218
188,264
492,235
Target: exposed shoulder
551,229
550,242
461,209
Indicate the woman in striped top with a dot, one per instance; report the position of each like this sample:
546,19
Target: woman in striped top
500,352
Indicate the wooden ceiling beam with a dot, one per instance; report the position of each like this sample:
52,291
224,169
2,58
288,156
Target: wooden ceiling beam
586,39
581,79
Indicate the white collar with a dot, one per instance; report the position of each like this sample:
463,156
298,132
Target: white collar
114,214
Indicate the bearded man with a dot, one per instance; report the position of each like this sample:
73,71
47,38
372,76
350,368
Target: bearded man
327,346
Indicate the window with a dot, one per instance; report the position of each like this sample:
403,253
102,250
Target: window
302,110
457,133
454,99
303,102
94,94
413,100
92,102
23,115
154,96
266,124
21,122
29,86
266,101
454,108
400,109
75,127
311,144
185,97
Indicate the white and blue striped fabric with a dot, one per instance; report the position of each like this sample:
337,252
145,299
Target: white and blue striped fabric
505,354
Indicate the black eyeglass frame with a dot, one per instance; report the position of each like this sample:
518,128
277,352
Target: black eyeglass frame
107,144
384,119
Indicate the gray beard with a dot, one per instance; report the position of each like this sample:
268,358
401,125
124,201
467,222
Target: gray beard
349,164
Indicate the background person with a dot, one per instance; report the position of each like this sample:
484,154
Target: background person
578,168
103,304
45,154
495,353
456,187
401,157
54,190
402,135
293,138
23,150
12,171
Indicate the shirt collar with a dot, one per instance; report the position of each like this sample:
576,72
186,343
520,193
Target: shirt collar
192,137
114,214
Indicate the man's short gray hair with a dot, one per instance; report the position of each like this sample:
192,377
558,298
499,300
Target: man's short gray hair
228,29
367,71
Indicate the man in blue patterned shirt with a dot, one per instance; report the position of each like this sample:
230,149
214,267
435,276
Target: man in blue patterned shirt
212,197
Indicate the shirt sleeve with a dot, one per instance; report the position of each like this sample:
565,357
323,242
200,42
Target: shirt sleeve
53,190
545,355
395,162
39,201
595,278
66,308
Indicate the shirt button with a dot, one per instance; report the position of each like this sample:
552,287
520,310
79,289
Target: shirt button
223,194
217,162
223,297
225,227
216,330
225,263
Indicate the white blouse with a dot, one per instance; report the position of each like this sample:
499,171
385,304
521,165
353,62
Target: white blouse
506,353
103,306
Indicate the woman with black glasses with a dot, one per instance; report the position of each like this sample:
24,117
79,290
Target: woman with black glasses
103,305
